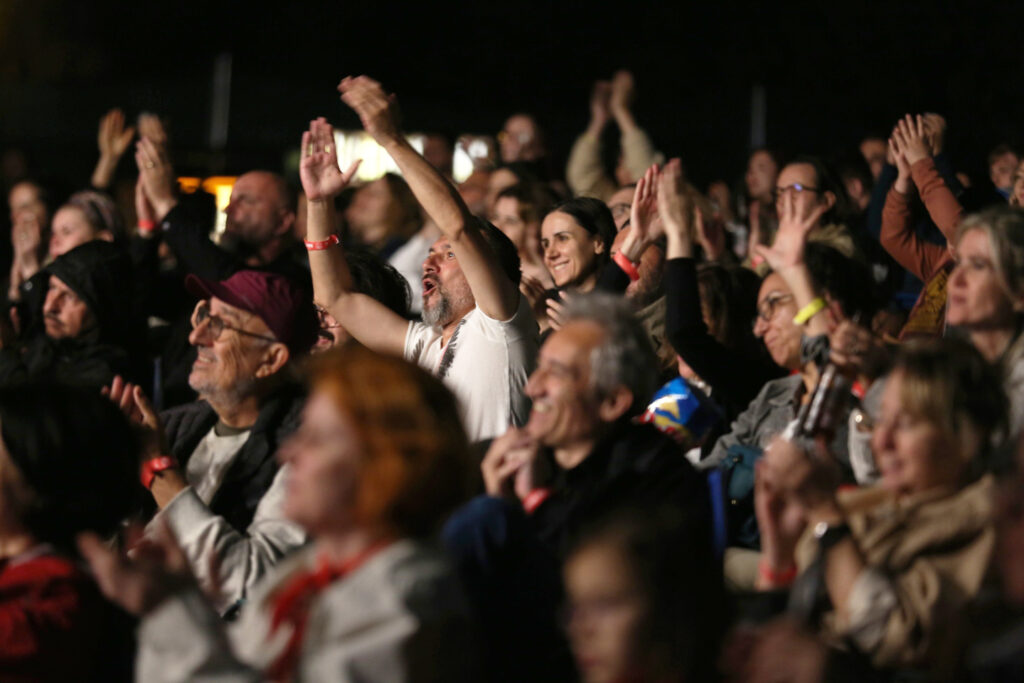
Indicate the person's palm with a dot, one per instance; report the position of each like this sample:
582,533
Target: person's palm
644,216
321,177
318,170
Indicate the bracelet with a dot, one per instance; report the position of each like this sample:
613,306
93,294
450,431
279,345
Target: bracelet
534,499
627,266
321,245
809,311
151,468
146,227
774,577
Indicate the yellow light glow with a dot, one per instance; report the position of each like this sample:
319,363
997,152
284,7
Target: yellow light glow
188,185
358,144
220,187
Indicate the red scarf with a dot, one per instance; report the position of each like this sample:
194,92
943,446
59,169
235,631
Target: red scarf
293,600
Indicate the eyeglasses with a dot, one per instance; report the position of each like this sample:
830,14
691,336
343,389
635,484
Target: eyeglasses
621,209
767,308
796,188
216,324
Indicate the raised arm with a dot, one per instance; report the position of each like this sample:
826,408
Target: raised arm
911,140
113,139
637,150
897,236
584,171
366,319
495,294
786,257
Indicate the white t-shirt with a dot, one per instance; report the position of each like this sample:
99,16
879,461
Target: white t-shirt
210,462
487,368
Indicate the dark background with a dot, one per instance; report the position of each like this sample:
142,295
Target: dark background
832,72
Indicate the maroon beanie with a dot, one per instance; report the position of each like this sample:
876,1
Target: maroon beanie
286,308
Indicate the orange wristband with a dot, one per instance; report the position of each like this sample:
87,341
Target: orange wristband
534,499
627,266
321,245
155,466
784,578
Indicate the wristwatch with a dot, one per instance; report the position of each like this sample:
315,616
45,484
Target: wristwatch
828,535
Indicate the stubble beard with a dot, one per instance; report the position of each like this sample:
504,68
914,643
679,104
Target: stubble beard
442,312
216,395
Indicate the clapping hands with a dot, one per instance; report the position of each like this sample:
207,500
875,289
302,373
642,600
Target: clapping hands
911,139
377,110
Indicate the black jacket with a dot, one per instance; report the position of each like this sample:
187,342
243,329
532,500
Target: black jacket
735,378
101,274
633,465
253,469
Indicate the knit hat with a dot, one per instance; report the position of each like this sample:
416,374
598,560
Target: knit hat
286,308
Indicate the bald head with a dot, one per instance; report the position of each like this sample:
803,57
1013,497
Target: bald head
261,209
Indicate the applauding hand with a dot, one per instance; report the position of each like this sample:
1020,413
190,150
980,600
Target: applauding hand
910,139
902,184
377,110
156,174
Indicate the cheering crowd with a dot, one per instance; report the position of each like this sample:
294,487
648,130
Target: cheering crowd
602,426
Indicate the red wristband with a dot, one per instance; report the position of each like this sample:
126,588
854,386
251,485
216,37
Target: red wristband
146,227
627,266
320,246
155,466
783,578
534,499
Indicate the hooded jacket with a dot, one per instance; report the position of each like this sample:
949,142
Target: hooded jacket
101,275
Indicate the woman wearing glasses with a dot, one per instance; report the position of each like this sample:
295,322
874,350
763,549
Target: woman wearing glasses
709,308
812,287
813,188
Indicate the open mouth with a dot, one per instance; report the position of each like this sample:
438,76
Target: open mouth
203,359
429,286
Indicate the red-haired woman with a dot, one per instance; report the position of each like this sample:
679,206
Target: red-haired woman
379,460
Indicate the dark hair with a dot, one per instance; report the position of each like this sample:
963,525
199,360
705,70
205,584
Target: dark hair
776,155
524,171
76,459
670,556
828,181
729,294
535,200
1000,150
378,279
594,216
504,249
853,166
844,279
